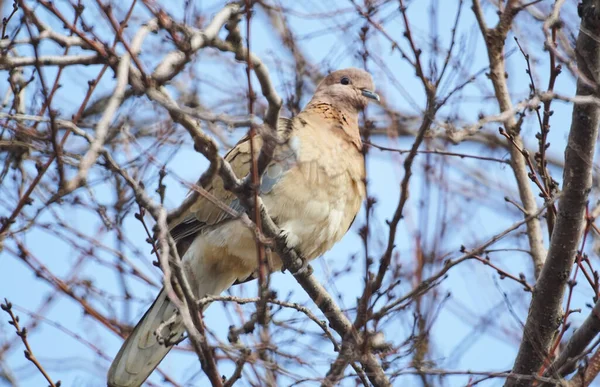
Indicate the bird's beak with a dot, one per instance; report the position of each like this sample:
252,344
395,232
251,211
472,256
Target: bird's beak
370,94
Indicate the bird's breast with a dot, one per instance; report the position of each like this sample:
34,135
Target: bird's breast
318,199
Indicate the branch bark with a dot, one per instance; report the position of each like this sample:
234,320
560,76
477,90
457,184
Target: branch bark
582,337
494,40
545,310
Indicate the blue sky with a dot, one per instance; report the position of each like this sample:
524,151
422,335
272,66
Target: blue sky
476,291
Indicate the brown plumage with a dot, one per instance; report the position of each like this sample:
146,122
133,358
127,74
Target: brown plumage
313,189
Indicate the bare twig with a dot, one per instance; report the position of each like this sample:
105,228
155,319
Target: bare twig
22,333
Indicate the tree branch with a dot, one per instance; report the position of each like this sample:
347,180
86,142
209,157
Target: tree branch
494,40
545,310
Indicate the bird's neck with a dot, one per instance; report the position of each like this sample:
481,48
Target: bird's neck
343,118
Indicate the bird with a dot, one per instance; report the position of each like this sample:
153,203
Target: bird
313,189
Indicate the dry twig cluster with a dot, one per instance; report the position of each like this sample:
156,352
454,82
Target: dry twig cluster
101,99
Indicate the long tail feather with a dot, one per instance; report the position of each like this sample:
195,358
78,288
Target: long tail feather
141,353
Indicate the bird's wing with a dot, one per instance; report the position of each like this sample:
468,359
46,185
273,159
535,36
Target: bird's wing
205,212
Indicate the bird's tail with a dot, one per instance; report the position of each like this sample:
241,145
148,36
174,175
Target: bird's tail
141,352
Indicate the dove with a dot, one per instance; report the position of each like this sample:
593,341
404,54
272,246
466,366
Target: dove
313,189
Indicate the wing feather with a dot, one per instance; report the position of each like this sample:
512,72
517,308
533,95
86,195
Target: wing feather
204,213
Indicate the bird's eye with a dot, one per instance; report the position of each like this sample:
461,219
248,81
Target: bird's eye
345,81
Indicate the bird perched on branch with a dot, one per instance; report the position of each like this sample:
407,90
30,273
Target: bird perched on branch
312,189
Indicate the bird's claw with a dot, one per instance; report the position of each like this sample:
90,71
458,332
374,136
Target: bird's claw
291,242
305,267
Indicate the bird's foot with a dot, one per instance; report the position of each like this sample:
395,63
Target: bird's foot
291,241
305,267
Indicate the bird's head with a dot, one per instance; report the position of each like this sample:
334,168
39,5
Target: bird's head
350,88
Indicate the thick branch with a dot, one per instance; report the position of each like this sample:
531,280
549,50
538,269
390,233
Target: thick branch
545,310
10,62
